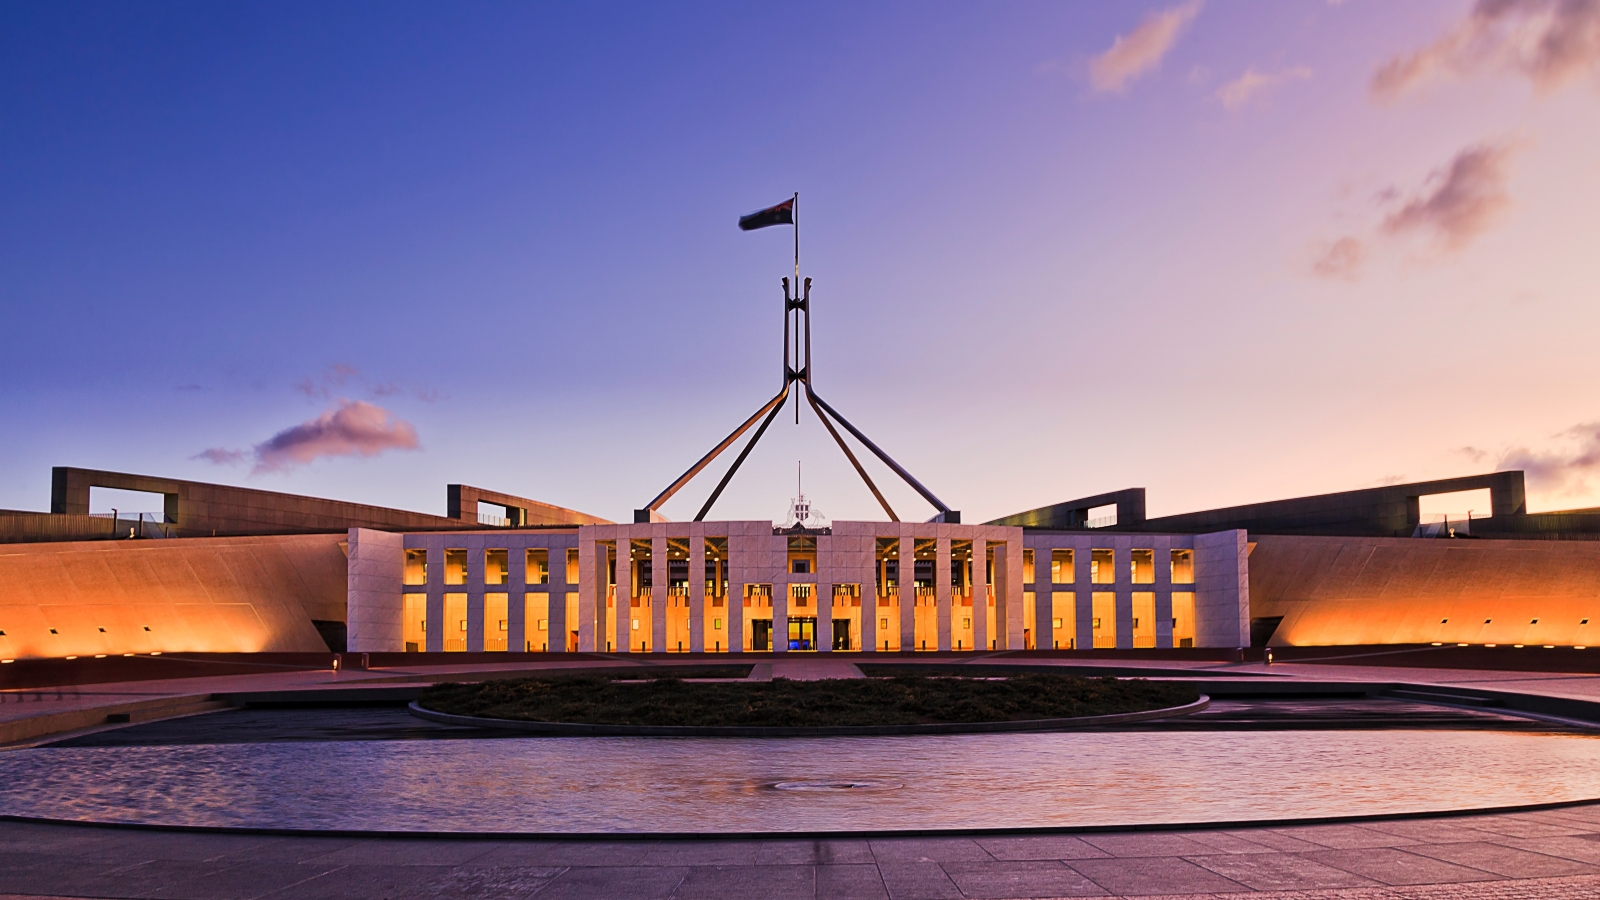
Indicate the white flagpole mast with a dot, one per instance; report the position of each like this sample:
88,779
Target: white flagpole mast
794,213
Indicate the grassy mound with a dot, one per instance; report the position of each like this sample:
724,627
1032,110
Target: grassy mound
902,700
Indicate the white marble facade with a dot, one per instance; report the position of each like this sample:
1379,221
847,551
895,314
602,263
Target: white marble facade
1023,614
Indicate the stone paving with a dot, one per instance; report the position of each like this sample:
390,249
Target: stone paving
1552,853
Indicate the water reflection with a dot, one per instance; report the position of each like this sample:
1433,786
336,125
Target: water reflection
593,785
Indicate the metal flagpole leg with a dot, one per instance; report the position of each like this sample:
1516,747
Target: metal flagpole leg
850,456
700,516
694,470
867,442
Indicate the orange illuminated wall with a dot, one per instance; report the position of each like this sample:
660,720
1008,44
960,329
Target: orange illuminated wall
1332,590
235,594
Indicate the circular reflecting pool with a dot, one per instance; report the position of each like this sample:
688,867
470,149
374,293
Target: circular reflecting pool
642,785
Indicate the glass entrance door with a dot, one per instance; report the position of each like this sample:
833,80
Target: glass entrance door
841,634
760,634
803,634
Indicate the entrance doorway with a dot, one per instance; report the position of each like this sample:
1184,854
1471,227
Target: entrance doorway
760,634
803,634
841,634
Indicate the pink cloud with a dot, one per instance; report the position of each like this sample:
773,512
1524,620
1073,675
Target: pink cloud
1550,42
1560,472
1252,84
354,428
1142,49
1460,201
221,456
1341,260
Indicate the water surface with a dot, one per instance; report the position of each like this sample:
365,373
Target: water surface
687,785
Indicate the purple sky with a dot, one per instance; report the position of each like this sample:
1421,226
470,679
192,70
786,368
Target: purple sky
1228,251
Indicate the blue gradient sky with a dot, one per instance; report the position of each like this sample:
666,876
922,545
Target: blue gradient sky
514,225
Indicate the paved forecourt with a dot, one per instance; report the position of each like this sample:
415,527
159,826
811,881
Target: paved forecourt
1549,853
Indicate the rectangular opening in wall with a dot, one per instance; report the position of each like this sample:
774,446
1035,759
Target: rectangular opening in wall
1183,619
128,504
455,621
1454,511
1183,567
455,566
572,565
1144,619
538,571
496,621
1027,565
496,566
1101,516
495,515
572,622
1104,611
716,575
416,567
536,616
1063,621
1102,567
961,575
1061,570
802,555
1142,566
413,627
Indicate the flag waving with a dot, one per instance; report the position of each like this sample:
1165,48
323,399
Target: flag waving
782,214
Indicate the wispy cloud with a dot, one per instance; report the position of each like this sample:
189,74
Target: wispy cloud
1461,200
1141,50
353,428
1252,84
1550,42
1565,471
1452,207
338,376
1341,260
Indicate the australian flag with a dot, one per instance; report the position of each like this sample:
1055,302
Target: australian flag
782,214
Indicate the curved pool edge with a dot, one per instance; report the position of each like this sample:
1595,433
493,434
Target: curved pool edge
869,834
574,729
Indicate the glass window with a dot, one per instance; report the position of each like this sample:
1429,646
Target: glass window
1101,569
416,567
1142,566
455,620
496,566
1027,565
455,567
414,626
1105,618
572,565
1064,621
1183,567
538,565
1061,571
495,626
1144,619
1183,620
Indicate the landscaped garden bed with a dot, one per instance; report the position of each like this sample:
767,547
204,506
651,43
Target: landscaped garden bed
901,700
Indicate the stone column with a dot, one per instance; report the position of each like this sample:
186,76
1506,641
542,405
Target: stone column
1083,592
659,601
623,606
1011,588
941,587
870,611
375,592
1163,552
697,588
516,587
434,620
592,591
908,589
474,589
556,600
1044,631
1222,589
